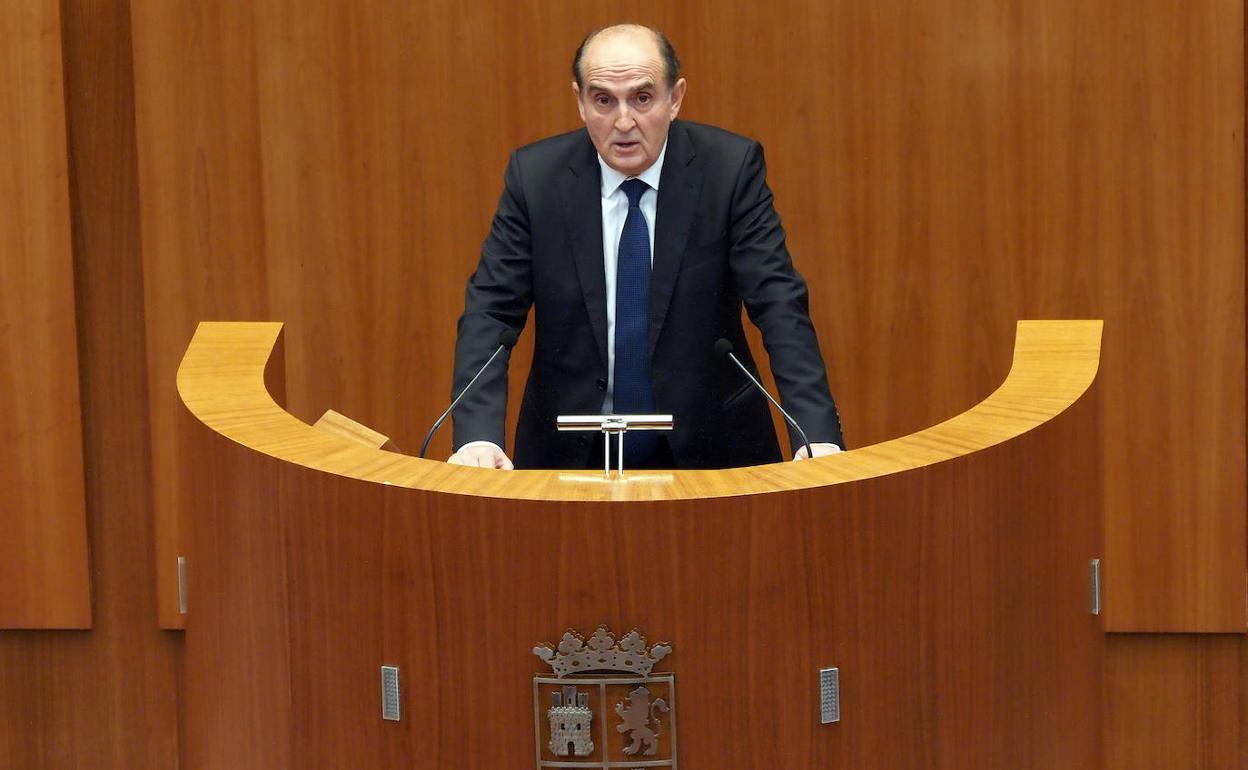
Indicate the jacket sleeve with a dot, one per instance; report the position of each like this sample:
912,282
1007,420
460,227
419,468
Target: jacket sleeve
776,301
498,298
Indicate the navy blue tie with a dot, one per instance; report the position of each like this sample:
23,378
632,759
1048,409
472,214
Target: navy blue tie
633,392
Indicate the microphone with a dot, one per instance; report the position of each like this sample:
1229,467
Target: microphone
506,339
724,348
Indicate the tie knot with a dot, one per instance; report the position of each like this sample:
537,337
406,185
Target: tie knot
634,189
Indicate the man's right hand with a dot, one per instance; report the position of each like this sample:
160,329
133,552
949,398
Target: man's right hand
481,454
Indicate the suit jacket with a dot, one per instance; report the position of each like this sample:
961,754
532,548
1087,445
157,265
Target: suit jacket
718,244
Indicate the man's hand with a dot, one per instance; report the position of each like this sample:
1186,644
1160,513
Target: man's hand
481,454
820,451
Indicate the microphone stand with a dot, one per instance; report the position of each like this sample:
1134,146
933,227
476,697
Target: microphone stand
810,452
467,388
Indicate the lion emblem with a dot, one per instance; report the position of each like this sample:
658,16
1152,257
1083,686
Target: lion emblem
637,713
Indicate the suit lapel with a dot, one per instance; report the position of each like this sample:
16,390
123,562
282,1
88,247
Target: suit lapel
679,189
582,207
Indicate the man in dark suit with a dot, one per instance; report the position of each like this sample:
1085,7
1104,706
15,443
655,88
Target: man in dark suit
635,241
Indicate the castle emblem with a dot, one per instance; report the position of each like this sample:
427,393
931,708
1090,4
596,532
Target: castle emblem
571,724
604,705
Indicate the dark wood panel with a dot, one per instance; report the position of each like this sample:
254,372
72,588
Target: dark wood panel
1173,701
107,698
44,577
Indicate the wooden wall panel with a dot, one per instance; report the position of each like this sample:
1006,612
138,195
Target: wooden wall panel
943,168
1175,523
44,579
107,698
1173,701
1243,702
202,225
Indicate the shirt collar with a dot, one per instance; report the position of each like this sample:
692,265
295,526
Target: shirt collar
612,179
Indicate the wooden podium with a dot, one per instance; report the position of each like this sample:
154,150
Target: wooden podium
944,574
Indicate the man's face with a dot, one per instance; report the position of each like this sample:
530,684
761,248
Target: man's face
625,102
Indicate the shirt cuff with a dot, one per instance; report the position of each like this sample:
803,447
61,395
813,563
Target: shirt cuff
472,444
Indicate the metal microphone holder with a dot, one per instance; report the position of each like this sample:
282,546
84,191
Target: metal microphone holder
614,426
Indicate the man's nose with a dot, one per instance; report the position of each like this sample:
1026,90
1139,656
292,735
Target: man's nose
624,117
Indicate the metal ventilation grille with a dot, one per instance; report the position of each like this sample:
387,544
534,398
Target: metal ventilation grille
829,695
390,693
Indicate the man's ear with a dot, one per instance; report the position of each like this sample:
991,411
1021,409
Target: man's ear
678,96
576,90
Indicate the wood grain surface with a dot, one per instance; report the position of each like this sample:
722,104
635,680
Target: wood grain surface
222,382
44,575
943,169
950,592
344,427
1173,701
107,698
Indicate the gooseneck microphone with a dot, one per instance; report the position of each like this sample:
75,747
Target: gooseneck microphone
724,348
506,339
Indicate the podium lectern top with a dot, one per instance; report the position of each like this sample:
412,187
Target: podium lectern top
222,382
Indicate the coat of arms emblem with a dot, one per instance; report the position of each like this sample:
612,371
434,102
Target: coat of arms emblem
603,707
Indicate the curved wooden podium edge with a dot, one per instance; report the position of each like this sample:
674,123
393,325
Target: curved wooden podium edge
221,380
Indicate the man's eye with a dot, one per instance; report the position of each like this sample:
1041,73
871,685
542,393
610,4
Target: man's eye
643,98
601,100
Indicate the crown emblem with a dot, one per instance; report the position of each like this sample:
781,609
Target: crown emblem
601,653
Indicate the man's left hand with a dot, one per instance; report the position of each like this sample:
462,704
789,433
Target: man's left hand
819,449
